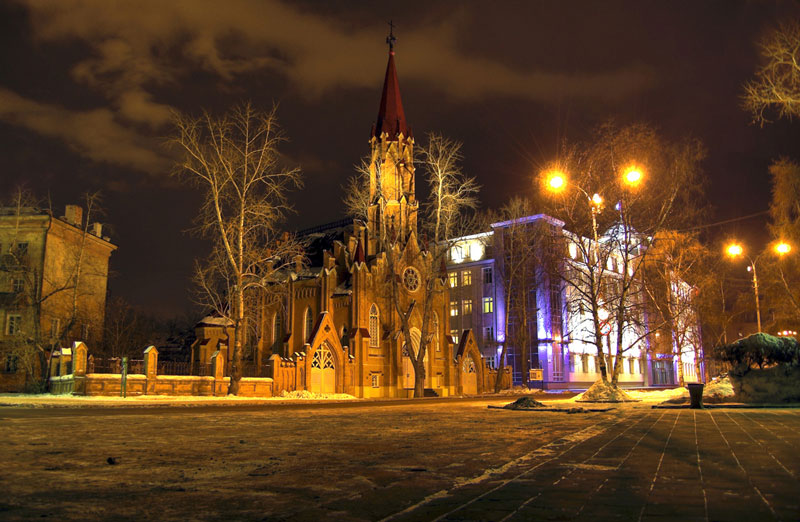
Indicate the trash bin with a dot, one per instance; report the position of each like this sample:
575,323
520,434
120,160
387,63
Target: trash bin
696,394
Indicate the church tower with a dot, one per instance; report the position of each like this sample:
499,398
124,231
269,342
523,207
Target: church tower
393,205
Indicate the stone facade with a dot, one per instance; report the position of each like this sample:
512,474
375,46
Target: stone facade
53,280
333,322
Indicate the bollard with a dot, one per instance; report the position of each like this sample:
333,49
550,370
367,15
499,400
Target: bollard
696,394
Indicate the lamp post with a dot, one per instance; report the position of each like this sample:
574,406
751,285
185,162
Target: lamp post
734,250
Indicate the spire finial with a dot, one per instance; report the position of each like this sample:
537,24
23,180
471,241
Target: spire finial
391,39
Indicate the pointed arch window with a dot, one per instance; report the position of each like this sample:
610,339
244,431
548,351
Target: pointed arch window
277,328
435,331
374,323
308,324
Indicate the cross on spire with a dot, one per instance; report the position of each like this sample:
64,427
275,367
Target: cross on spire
391,39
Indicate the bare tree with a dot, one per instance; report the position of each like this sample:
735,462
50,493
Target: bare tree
521,244
674,274
234,159
776,86
613,217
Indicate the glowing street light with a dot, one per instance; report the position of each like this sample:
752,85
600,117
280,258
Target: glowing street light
632,176
597,200
556,181
735,250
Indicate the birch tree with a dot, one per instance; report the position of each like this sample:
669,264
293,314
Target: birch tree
235,161
776,85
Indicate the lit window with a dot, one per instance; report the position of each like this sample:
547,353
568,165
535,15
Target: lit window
467,306
457,254
376,380
374,331
453,308
488,305
466,278
487,275
13,324
573,250
454,335
453,276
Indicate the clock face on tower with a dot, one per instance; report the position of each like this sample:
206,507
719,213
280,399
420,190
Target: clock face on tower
411,279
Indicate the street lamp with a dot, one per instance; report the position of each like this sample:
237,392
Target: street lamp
735,250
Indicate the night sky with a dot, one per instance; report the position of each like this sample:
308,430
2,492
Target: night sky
86,90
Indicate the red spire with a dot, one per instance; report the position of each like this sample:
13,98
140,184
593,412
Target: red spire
391,117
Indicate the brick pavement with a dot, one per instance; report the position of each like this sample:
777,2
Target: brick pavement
649,465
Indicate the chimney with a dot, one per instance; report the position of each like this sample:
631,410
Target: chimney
74,215
97,229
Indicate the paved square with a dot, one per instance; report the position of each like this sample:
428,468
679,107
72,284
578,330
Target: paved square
431,460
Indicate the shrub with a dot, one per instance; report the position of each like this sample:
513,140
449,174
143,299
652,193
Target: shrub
758,351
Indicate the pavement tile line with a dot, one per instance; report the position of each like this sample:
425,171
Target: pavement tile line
699,466
617,468
573,468
658,468
744,472
777,461
578,437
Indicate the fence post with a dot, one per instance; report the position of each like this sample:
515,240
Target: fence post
217,369
150,369
151,362
79,358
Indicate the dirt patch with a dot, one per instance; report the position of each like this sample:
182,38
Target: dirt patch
524,403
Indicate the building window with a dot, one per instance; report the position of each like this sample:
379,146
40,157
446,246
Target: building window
630,365
17,285
454,335
466,278
13,324
487,275
374,326
585,363
376,380
453,308
308,324
488,305
572,359
488,334
21,249
467,305
453,277
55,326
10,363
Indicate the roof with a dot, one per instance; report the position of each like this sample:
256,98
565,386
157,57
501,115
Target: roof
391,117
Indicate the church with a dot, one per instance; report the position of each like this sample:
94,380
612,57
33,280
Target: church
334,322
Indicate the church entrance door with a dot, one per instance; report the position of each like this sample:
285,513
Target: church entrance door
323,372
469,376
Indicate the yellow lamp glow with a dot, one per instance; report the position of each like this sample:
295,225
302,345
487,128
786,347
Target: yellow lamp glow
597,200
556,181
632,176
783,248
734,250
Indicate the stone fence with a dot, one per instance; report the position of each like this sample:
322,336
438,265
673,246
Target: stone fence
68,375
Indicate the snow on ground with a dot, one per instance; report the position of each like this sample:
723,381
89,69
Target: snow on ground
602,391
46,399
